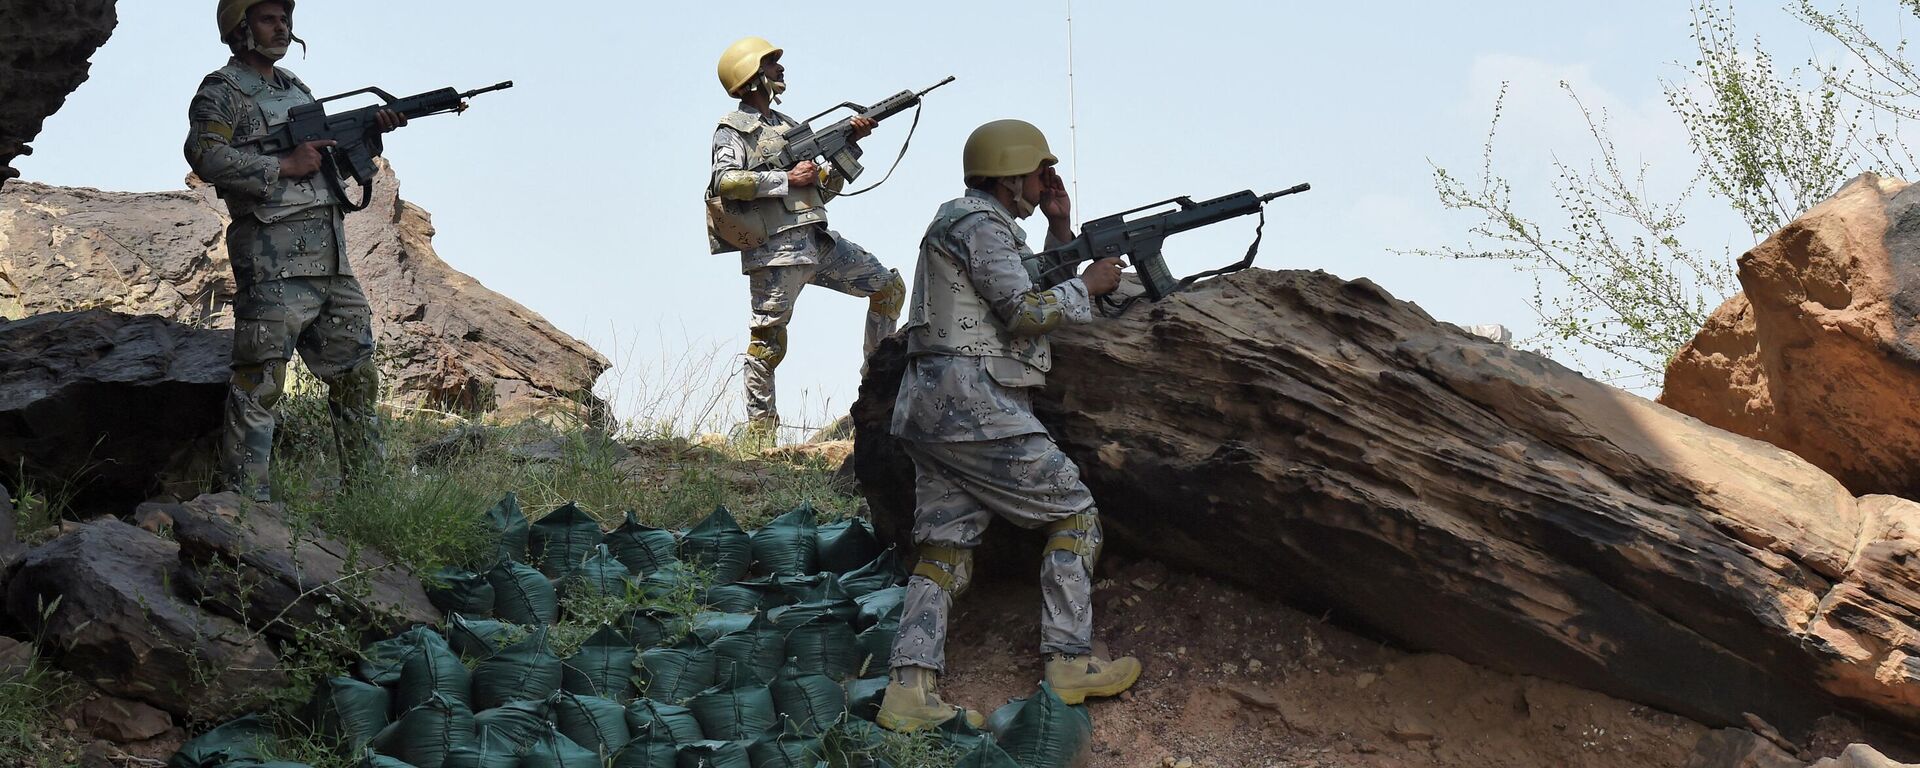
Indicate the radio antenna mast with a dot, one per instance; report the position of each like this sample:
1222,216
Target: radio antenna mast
1073,120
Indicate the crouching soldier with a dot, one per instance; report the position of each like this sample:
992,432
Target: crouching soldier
977,331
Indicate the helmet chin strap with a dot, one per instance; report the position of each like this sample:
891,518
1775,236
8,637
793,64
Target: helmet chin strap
274,53
773,88
1016,187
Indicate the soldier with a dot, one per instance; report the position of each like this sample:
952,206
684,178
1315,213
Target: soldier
294,289
787,244
977,344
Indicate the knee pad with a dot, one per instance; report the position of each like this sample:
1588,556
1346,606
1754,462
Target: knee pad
361,383
264,382
768,345
949,568
1078,534
887,301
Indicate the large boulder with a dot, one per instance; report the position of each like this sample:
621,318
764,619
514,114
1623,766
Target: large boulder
252,563
100,408
1320,440
119,626
1820,353
44,48
445,340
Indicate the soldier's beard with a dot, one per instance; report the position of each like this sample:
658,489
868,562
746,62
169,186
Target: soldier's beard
273,52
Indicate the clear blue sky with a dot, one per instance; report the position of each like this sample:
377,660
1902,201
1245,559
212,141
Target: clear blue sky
578,192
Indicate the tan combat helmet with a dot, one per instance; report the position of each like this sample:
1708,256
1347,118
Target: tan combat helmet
1006,148
232,12
741,62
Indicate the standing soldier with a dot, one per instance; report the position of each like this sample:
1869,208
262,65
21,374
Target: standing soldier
778,222
977,346
294,289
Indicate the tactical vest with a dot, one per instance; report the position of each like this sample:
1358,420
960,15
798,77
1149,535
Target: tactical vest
948,316
287,197
768,216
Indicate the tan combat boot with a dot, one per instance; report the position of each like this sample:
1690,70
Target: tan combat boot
1075,677
910,703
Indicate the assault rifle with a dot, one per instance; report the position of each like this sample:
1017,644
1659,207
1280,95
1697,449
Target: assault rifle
1140,240
357,132
835,142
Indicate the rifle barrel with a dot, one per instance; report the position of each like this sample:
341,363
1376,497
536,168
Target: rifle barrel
1288,191
489,89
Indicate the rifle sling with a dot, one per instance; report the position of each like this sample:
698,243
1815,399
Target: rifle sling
896,158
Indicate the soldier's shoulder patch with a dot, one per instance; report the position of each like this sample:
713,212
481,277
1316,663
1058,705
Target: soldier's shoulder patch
219,128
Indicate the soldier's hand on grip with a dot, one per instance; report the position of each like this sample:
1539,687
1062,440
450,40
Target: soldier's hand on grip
804,174
389,120
862,127
304,160
1102,276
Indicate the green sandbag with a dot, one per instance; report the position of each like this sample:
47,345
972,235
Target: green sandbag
709,626
599,574
812,588
786,545
876,606
787,751
433,669
599,725
738,597
641,547
715,754
987,755
370,760
847,545
555,750
825,646
349,711
740,713
563,539
880,574
381,662
602,667
811,703
648,627
1046,733
519,722
864,695
876,643
424,735
655,721
751,656
523,595
246,738
669,582
673,675
510,529
648,754
482,638
525,670
491,749
717,545
460,591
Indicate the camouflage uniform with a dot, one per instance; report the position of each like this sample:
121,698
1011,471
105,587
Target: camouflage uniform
294,288
977,340
803,252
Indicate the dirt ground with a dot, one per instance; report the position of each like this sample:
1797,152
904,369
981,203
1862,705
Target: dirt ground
1234,681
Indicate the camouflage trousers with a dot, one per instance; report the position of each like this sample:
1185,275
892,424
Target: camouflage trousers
327,321
959,488
841,266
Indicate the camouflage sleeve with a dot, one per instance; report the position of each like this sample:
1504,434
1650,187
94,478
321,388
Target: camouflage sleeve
731,179
210,152
993,262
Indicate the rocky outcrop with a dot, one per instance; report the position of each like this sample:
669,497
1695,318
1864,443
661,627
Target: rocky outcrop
44,48
444,339
247,562
1820,353
100,408
1321,440
119,627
